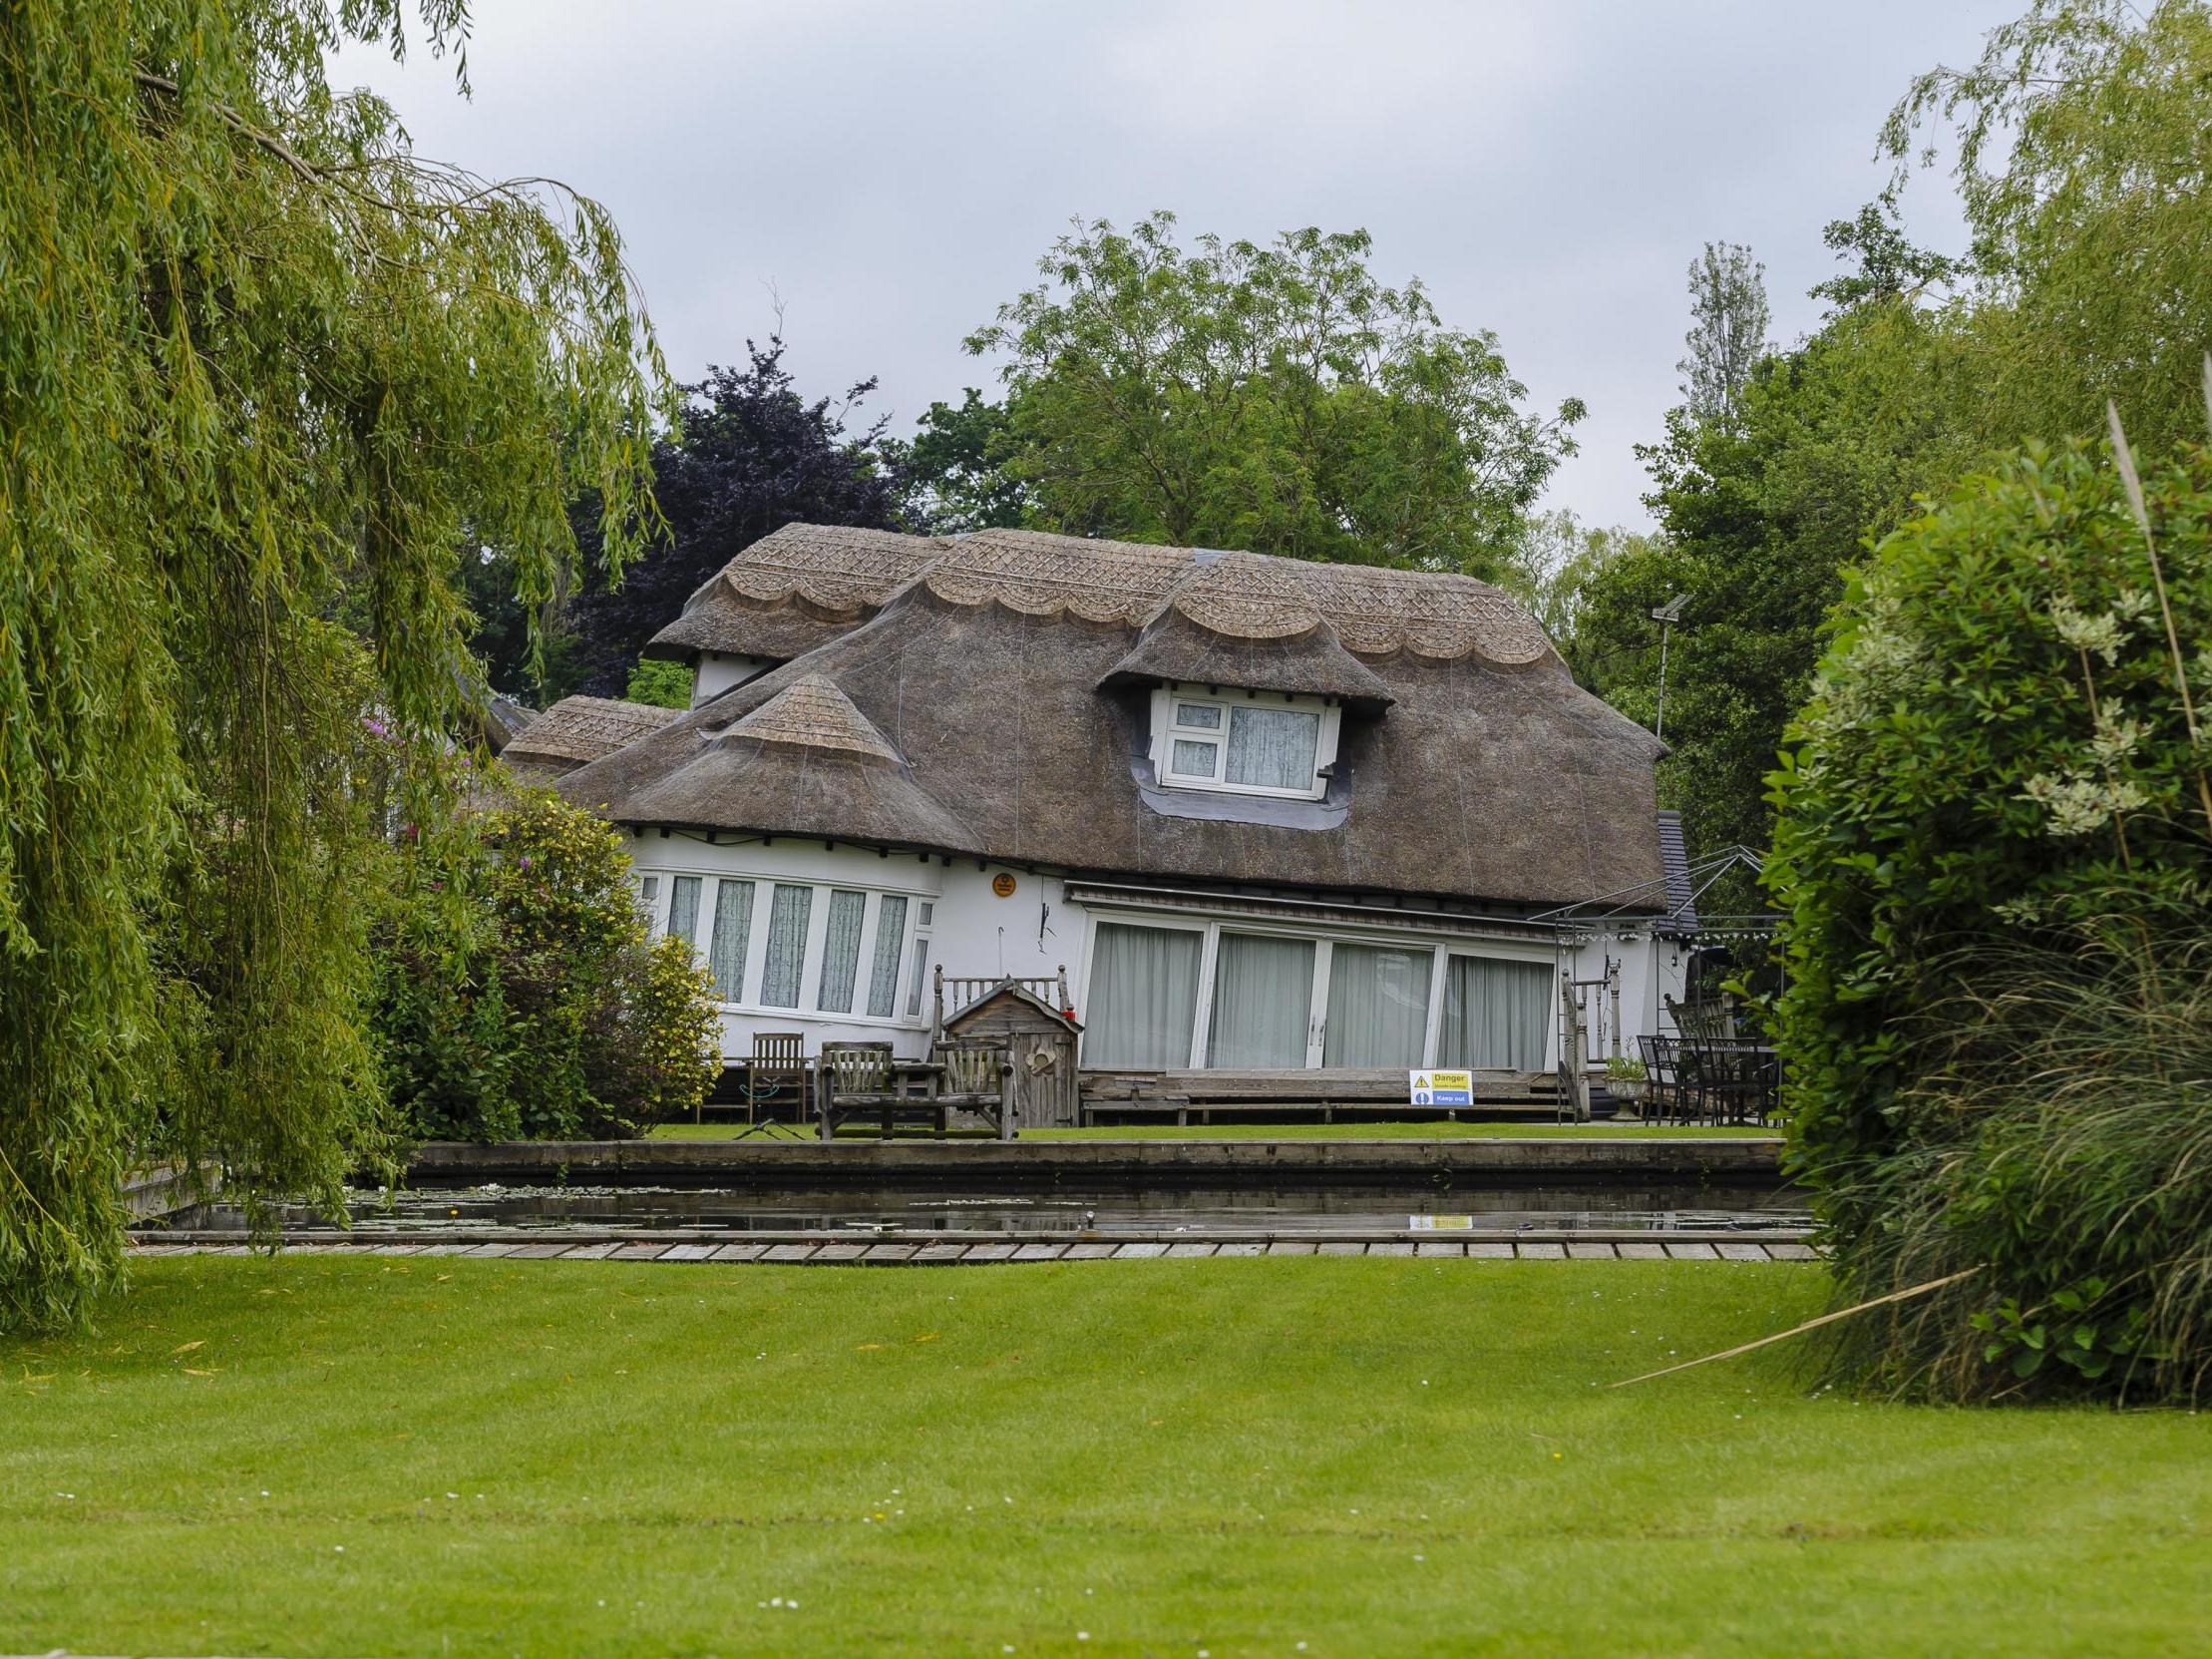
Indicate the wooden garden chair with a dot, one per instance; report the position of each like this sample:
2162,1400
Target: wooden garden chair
977,1077
778,1072
862,1080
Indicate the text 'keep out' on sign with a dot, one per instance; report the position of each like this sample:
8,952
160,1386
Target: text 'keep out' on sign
1442,1088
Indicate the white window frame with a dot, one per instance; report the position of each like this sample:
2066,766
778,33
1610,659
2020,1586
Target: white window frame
1325,940
765,883
1168,729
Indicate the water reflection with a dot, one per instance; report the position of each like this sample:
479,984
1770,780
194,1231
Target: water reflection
1685,1206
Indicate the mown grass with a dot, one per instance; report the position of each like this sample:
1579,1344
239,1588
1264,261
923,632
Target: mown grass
1316,1131
325,1455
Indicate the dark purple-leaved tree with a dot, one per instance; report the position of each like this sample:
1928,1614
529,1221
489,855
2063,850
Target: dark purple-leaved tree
748,456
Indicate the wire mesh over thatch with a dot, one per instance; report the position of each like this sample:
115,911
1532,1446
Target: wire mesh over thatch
789,586
991,695
578,730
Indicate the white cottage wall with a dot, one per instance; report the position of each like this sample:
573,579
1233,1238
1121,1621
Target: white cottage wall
952,916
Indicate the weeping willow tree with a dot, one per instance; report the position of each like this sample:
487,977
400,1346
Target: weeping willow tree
264,372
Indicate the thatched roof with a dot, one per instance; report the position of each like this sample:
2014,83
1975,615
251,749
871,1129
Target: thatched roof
1173,647
788,591
812,714
578,730
1005,673
804,759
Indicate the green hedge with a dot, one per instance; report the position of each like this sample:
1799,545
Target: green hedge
1994,769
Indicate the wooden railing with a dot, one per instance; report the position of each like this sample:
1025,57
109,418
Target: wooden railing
955,991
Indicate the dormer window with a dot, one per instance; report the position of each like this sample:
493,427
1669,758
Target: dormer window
1242,742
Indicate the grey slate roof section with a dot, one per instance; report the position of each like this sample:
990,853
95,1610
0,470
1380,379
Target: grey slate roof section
1681,901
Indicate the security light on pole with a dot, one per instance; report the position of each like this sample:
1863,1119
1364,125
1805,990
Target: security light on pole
1666,615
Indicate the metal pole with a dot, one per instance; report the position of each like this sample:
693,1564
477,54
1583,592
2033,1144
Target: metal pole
1666,615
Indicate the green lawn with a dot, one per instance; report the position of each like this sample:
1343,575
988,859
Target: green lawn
336,1456
1311,1131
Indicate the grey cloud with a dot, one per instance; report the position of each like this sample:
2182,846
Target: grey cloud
895,170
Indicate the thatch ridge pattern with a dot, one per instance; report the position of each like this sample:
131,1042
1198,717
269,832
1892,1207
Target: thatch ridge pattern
812,714
845,573
584,728
835,567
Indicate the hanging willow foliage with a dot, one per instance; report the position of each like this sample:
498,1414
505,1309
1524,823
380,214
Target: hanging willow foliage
264,372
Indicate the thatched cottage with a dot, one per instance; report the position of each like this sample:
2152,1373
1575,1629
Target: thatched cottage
1265,813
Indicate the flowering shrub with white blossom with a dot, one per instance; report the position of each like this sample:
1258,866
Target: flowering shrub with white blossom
2006,752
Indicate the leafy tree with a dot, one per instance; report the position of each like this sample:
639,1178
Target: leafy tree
2079,136
1273,398
1556,565
951,474
1728,334
258,363
1889,267
747,455
656,681
1759,518
518,993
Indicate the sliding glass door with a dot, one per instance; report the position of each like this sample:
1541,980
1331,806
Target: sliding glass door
1496,1015
1263,1003
1377,1006
1143,997
1162,996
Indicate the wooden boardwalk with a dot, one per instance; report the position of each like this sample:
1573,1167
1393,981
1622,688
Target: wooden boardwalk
937,1250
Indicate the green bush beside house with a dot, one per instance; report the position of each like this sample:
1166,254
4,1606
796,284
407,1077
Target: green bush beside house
519,994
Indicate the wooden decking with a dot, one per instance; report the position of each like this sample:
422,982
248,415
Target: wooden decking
1329,1095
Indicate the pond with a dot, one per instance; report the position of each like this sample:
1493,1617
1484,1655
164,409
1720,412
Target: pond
1659,1207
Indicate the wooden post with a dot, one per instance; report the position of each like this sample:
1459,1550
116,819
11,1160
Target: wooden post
936,1019
1612,989
1066,1006
1573,1053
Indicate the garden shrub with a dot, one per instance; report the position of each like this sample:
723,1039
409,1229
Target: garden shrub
1992,808
520,994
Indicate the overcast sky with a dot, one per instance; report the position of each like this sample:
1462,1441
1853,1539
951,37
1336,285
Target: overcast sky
1549,168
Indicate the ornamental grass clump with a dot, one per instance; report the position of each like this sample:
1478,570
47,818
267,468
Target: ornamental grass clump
1994,859
2062,1110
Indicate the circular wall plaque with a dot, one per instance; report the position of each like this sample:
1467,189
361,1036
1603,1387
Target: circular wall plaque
1002,884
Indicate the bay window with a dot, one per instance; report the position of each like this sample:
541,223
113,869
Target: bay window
803,946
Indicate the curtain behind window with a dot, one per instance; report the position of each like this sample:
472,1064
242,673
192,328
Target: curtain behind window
683,909
1262,1000
1272,748
1377,1006
787,945
1494,1013
890,939
920,972
1142,997
841,952
733,930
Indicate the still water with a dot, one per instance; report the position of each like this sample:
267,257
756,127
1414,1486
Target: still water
1659,1207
